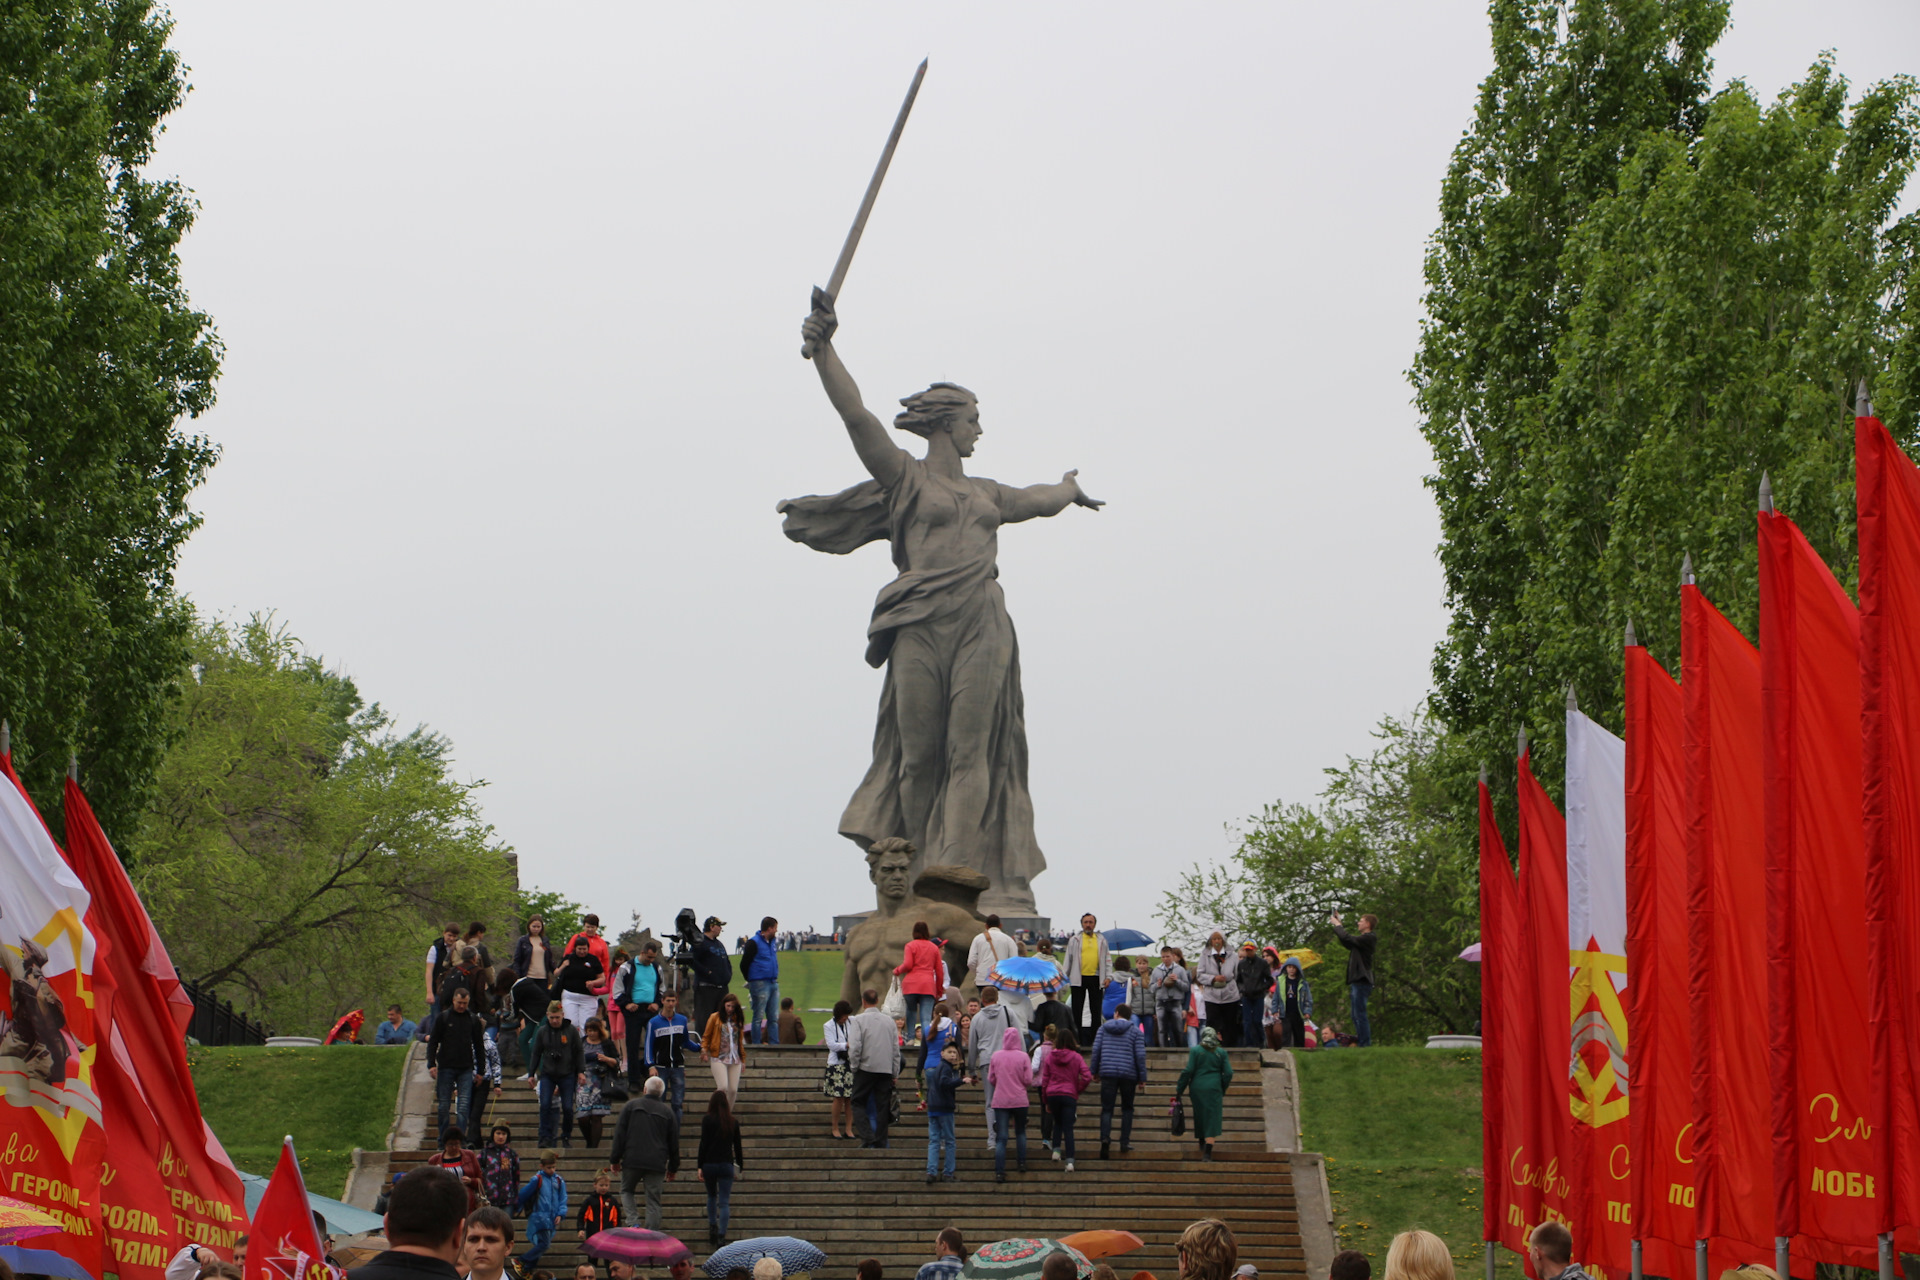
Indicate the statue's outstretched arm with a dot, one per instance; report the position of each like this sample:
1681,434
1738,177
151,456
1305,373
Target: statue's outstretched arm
881,456
1044,499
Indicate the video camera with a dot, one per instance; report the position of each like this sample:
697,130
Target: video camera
686,936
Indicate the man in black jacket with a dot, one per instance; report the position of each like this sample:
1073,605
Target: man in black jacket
646,1148
426,1223
1254,977
559,1067
1360,947
712,973
456,1052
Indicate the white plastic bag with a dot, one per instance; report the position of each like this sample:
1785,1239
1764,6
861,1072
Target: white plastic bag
895,1005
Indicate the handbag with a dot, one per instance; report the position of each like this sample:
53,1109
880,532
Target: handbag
895,1005
1176,1117
613,1085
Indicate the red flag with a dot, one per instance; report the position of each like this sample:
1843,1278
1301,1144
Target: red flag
284,1244
1661,1173
1825,1146
202,1199
1726,914
1542,1160
1502,1030
1888,492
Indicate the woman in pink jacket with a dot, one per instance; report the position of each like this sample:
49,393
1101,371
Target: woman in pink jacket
1009,1076
919,974
1062,1078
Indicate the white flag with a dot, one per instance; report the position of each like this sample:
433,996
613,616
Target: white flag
1597,919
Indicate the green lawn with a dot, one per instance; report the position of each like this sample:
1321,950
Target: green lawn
1400,1128
812,978
330,1099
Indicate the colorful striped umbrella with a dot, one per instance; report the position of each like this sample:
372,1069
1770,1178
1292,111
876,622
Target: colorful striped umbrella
636,1244
1020,1258
22,1221
1036,974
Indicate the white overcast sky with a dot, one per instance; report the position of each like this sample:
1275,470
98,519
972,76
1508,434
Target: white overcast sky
510,296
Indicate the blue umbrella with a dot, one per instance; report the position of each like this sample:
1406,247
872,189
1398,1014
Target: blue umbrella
1026,973
44,1262
342,1218
1125,939
792,1254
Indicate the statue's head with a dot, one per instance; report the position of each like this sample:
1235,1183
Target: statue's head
944,406
888,862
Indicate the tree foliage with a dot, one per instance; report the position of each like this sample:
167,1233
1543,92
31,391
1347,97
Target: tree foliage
101,357
1640,298
299,855
560,914
1379,840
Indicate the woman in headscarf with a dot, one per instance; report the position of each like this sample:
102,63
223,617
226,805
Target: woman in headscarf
1207,1074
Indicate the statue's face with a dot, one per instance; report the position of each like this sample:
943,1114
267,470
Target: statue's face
890,874
966,430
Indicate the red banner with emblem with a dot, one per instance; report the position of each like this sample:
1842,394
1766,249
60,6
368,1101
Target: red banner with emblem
1726,915
51,1140
1888,493
200,1199
1661,1118
1826,1160
284,1245
1542,1160
1503,1030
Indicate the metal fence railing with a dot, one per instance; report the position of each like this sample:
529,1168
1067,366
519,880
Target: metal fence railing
217,1022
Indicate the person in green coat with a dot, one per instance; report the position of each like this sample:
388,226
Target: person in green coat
1207,1074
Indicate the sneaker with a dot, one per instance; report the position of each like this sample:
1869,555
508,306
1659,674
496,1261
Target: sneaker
999,1177
1069,1168
1056,1154
1126,1151
1021,1168
932,1178
1106,1153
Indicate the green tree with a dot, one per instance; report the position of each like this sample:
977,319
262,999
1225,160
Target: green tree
560,913
101,357
1639,299
1379,840
299,855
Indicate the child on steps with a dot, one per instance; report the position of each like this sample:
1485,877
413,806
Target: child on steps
544,1199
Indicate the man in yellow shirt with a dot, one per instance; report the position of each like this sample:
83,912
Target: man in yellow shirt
1089,969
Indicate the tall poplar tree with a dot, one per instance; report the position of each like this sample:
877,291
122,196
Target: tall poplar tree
101,357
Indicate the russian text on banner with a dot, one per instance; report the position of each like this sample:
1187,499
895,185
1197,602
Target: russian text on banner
1502,1028
1726,914
1597,1075
51,1141
1661,1121
203,1201
1888,493
284,1244
1542,1158
1826,1165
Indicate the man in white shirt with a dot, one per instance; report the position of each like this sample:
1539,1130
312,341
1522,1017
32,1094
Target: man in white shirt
489,1240
988,949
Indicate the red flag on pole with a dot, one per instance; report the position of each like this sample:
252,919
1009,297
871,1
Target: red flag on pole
1825,1147
1726,914
1542,1160
284,1244
1661,1173
1502,1030
51,1141
203,1201
1888,493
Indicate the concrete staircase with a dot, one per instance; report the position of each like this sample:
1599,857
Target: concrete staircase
856,1203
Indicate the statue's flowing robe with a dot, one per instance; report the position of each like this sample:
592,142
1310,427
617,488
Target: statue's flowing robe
952,626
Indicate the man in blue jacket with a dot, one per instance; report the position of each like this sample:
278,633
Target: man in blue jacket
1119,1062
760,966
667,1049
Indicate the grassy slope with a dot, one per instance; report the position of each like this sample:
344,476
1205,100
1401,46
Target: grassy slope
1401,1131
330,1099
812,978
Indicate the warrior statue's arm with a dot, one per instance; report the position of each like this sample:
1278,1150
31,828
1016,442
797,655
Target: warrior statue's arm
1044,499
881,456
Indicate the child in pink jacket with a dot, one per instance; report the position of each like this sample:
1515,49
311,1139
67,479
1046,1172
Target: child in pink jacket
1062,1077
1009,1076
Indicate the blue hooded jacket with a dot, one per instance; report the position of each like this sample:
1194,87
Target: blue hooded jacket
545,1196
1119,1051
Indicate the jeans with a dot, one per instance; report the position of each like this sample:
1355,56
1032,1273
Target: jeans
656,1185
447,1086
636,1050
719,1180
1173,1025
939,1136
539,1236
763,1015
1063,1109
919,1017
1109,1086
527,1033
676,1078
878,1086
1002,1116
1357,995
556,1089
1252,1010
